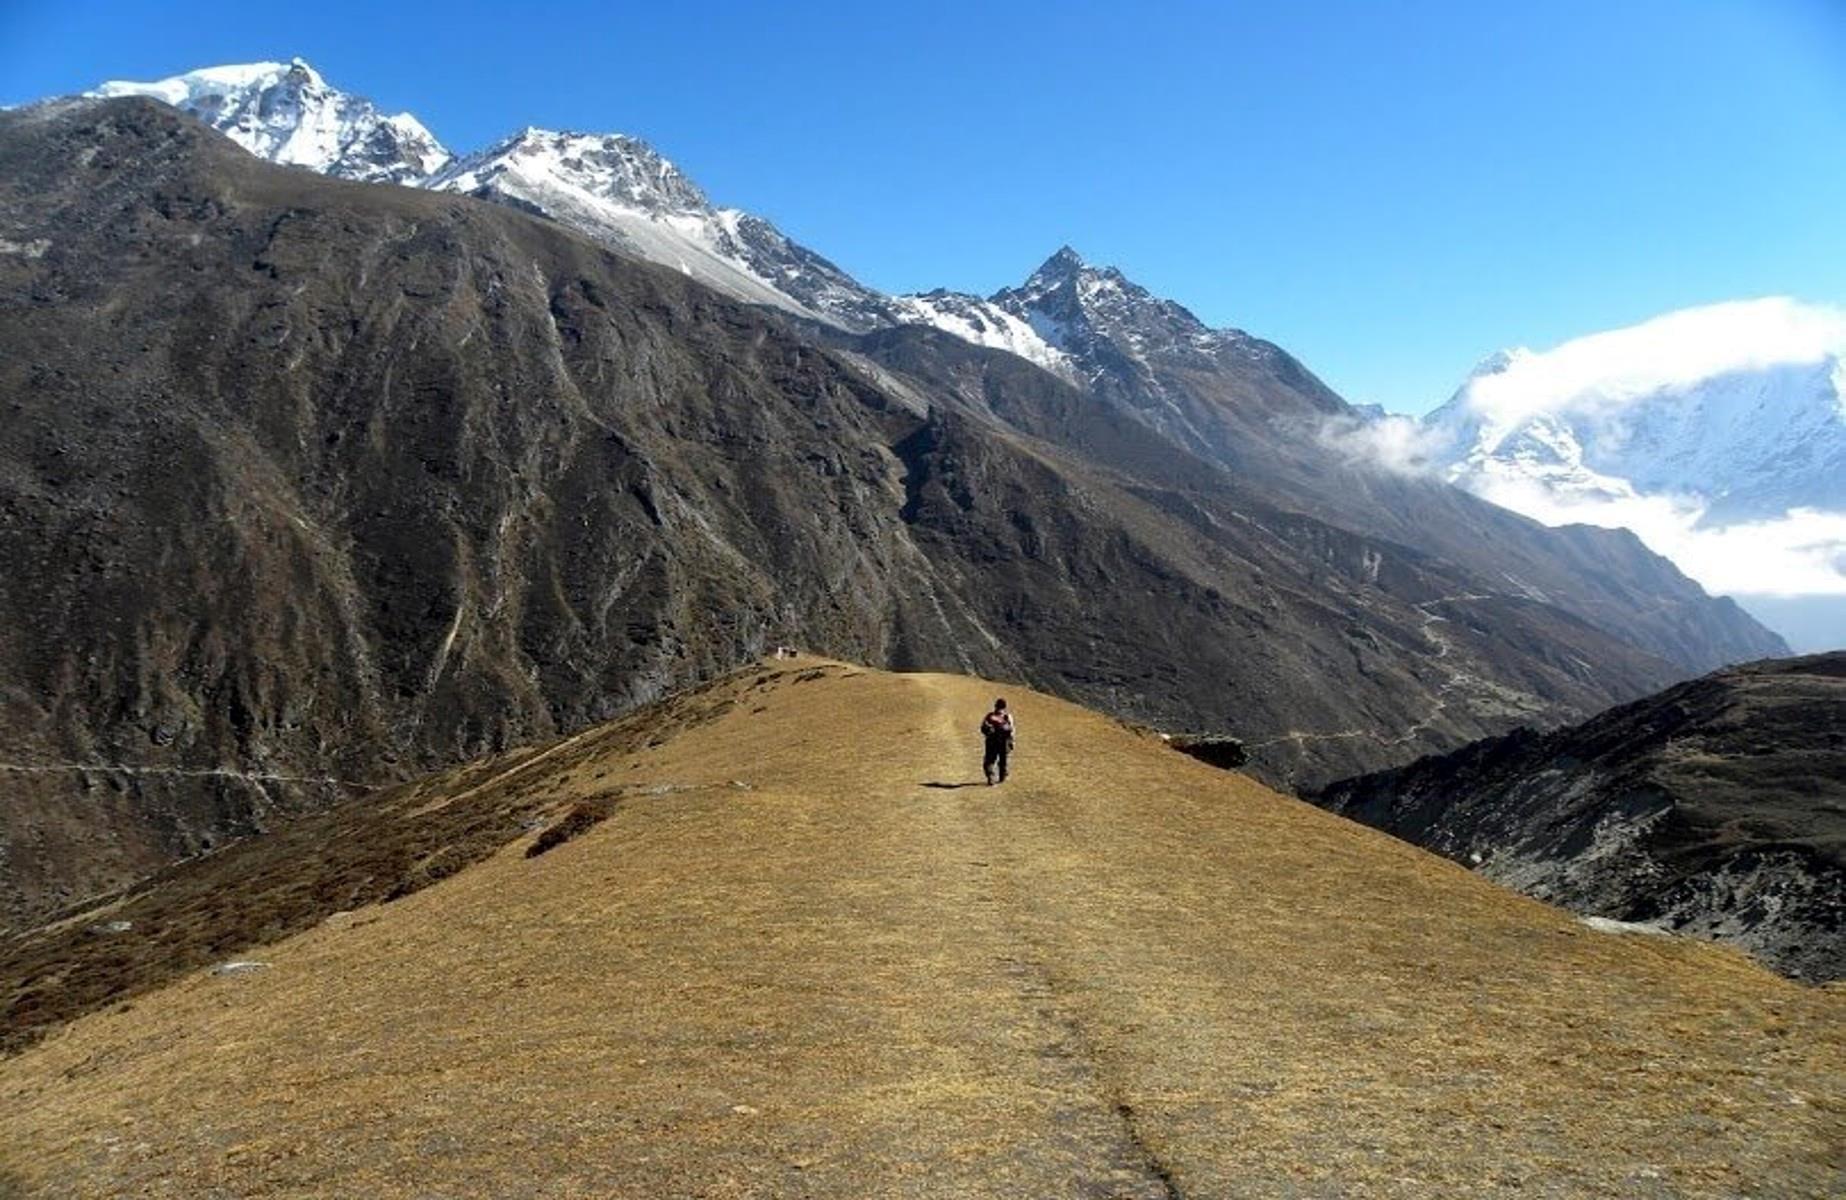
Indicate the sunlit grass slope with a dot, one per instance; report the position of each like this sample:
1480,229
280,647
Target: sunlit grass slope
778,958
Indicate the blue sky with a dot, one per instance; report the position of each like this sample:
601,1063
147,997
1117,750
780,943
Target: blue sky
1391,191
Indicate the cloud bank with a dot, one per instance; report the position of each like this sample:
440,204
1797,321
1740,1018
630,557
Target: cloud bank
1801,553
1667,354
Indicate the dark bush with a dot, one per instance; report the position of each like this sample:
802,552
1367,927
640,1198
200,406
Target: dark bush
582,817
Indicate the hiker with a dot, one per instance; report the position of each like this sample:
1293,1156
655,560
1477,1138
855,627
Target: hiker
997,732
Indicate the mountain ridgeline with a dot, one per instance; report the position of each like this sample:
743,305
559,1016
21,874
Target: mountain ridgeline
308,485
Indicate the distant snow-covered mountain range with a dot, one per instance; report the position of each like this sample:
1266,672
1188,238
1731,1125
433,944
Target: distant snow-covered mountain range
1717,434
1740,408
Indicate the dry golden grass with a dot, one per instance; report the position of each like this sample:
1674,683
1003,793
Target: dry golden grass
785,965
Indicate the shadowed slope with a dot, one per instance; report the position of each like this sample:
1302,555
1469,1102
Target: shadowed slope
1715,808
783,964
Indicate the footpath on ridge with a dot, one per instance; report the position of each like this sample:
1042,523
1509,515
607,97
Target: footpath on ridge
808,953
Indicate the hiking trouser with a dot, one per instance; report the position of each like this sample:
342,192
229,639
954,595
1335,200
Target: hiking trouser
996,755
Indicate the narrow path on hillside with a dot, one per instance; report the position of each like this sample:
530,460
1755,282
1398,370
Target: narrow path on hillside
1441,699
1126,952
980,837
251,777
1051,925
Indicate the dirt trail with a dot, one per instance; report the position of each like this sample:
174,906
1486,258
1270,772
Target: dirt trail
812,973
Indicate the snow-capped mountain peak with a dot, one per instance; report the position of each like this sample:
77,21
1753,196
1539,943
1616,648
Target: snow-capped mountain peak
611,166
287,113
621,191
1716,434
1499,362
1087,310
1064,265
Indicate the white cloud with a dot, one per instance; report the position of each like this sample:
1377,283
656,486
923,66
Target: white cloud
1613,369
1393,441
1801,553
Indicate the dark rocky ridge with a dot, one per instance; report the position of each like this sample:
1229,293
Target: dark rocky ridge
306,483
1716,808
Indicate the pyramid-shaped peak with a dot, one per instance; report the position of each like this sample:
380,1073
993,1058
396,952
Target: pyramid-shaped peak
1064,265
1068,294
1068,267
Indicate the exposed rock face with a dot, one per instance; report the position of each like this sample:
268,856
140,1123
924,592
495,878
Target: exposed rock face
1214,748
305,483
1716,808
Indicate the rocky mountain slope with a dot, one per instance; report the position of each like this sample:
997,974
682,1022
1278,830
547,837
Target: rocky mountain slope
367,479
1223,395
1716,808
719,949
1249,406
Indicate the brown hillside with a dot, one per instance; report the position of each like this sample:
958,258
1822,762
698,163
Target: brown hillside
780,957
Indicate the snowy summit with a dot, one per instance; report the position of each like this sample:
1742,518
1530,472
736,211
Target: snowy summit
620,191
1716,434
286,113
